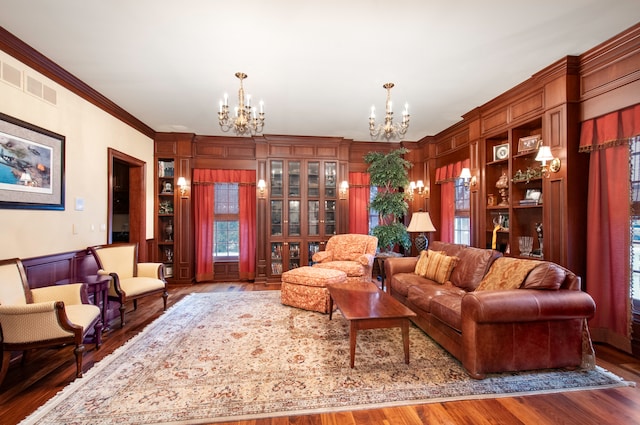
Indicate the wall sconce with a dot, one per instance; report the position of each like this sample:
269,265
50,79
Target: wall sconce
419,186
470,179
182,184
544,155
344,187
262,185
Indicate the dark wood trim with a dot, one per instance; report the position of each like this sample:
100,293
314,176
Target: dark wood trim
39,62
137,197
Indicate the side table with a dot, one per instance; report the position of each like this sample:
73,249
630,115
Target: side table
380,257
98,285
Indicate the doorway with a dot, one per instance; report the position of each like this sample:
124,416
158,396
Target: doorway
127,206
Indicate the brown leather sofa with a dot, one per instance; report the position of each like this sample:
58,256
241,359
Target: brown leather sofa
541,324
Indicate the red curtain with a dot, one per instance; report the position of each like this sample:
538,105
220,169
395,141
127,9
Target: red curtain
203,194
359,191
608,220
445,176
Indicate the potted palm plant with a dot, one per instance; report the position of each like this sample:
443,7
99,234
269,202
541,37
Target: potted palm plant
389,172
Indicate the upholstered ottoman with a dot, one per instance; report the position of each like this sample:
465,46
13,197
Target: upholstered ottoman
306,287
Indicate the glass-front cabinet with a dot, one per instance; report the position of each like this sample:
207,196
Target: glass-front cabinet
301,212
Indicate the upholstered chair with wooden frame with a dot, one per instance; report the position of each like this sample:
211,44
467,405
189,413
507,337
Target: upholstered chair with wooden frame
350,253
131,280
51,316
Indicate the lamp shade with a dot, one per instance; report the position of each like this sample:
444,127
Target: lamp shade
421,222
544,154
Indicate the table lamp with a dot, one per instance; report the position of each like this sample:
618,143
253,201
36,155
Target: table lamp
421,223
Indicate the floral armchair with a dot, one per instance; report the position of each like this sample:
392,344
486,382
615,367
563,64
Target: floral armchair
131,280
350,253
52,316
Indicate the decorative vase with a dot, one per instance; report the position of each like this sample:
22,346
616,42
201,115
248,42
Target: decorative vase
168,230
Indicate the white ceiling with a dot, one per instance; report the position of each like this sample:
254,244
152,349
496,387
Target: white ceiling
319,66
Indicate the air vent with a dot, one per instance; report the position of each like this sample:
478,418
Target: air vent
11,75
41,90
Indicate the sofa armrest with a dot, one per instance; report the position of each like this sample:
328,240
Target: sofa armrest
394,265
526,305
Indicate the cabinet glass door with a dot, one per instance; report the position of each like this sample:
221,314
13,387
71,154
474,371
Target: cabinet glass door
330,177
294,255
276,258
276,218
276,178
294,218
312,248
313,218
294,178
329,217
313,179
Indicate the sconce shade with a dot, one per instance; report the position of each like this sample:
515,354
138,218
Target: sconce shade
465,173
182,181
262,184
544,154
420,222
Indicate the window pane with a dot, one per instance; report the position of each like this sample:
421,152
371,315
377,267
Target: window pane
226,234
373,214
226,237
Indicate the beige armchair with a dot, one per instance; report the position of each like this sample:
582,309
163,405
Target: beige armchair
43,317
350,253
131,280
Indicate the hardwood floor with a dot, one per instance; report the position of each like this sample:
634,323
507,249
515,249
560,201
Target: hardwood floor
28,386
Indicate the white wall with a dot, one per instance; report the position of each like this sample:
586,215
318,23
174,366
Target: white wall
89,132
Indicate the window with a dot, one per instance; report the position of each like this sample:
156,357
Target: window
373,214
226,222
462,220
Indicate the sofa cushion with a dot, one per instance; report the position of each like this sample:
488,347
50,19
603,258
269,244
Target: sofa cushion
507,273
439,266
401,282
448,248
545,276
421,264
351,268
447,308
472,267
421,294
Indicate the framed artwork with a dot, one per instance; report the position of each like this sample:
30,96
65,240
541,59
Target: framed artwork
31,166
501,152
533,194
529,143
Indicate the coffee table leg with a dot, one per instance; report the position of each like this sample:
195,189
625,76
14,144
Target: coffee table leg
353,333
405,339
330,307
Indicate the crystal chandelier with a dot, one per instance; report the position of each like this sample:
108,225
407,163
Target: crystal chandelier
246,120
389,129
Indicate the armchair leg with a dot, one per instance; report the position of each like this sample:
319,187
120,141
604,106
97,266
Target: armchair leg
6,357
135,304
97,334
78,351
165,295
122,308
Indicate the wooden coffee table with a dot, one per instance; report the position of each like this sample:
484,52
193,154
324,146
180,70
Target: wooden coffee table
367,307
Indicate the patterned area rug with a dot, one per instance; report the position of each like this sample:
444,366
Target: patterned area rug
235,356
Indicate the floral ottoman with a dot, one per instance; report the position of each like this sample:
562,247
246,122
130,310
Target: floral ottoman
306,287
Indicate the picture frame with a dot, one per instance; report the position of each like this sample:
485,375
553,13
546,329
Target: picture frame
533,195
501,152
529,143
32,166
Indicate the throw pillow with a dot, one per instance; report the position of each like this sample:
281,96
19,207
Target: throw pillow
421,265
506,273
439,266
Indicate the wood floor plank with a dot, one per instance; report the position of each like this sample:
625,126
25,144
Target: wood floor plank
48,371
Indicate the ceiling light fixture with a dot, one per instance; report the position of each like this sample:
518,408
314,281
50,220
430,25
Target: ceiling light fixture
246,119
389,129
